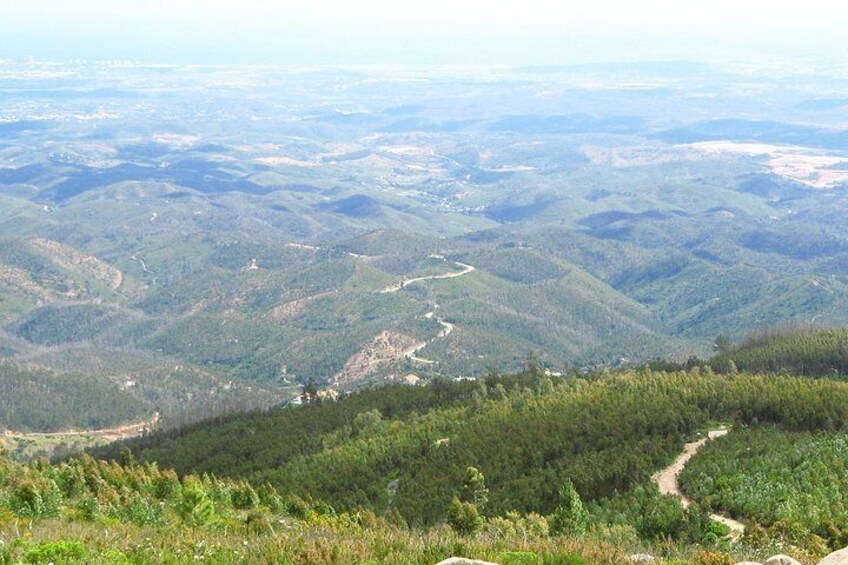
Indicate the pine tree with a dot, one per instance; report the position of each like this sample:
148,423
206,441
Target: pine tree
463,517
474,488
570,517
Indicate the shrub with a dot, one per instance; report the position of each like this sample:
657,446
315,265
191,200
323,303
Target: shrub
139,511
531,526
57,553
463,517
270,498
257,522
220,492
244,497
712,558
89,508
563,559
519,558
195,507
71,481
35,498
296,507
166,486
570,517
474,488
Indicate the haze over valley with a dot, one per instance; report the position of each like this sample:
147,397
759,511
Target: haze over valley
186,232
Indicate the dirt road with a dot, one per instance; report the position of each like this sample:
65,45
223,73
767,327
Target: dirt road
667,481
448,328
116,433
452,275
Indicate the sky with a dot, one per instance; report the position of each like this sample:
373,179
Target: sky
472,32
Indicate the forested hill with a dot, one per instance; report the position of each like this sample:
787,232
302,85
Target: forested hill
812,352
511,469
44,401
407,448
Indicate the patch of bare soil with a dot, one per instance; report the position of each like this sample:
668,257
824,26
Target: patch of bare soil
387,347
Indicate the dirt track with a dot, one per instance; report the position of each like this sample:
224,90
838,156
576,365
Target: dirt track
452,275
410,353
668,484
116,433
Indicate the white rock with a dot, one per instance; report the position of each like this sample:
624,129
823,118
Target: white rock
781,560
836,558
641,558
462,561
749,563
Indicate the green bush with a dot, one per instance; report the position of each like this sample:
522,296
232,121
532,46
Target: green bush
244,497
195,506
463,517
269,497
296,507
140,511
570,517
712,558
166,486
519,558
35,498
532,526
662,517
89,508
563,559
258,522
57,553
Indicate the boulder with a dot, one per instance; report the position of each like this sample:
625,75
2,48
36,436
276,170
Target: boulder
749,563
641,558
781,560
836,558
462,561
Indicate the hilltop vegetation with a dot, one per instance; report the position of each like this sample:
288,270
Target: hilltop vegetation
485,469
401,449
794,481
799,351
99,513
40,400
556,467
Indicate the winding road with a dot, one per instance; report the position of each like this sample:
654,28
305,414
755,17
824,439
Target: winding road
447,326
452,275
410,353
143,264
667,480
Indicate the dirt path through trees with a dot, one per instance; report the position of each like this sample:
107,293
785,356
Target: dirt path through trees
668,484
452,275
448,328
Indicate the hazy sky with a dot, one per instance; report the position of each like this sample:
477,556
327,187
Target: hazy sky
421,31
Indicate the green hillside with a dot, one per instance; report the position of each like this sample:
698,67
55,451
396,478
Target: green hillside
794,480
377,476
41,400
88,512
792,350
527,434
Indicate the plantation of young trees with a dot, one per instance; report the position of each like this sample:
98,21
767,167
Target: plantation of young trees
524,468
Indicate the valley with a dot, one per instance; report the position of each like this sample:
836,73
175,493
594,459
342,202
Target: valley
31,445
169,247
158,241
309,307
443,283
